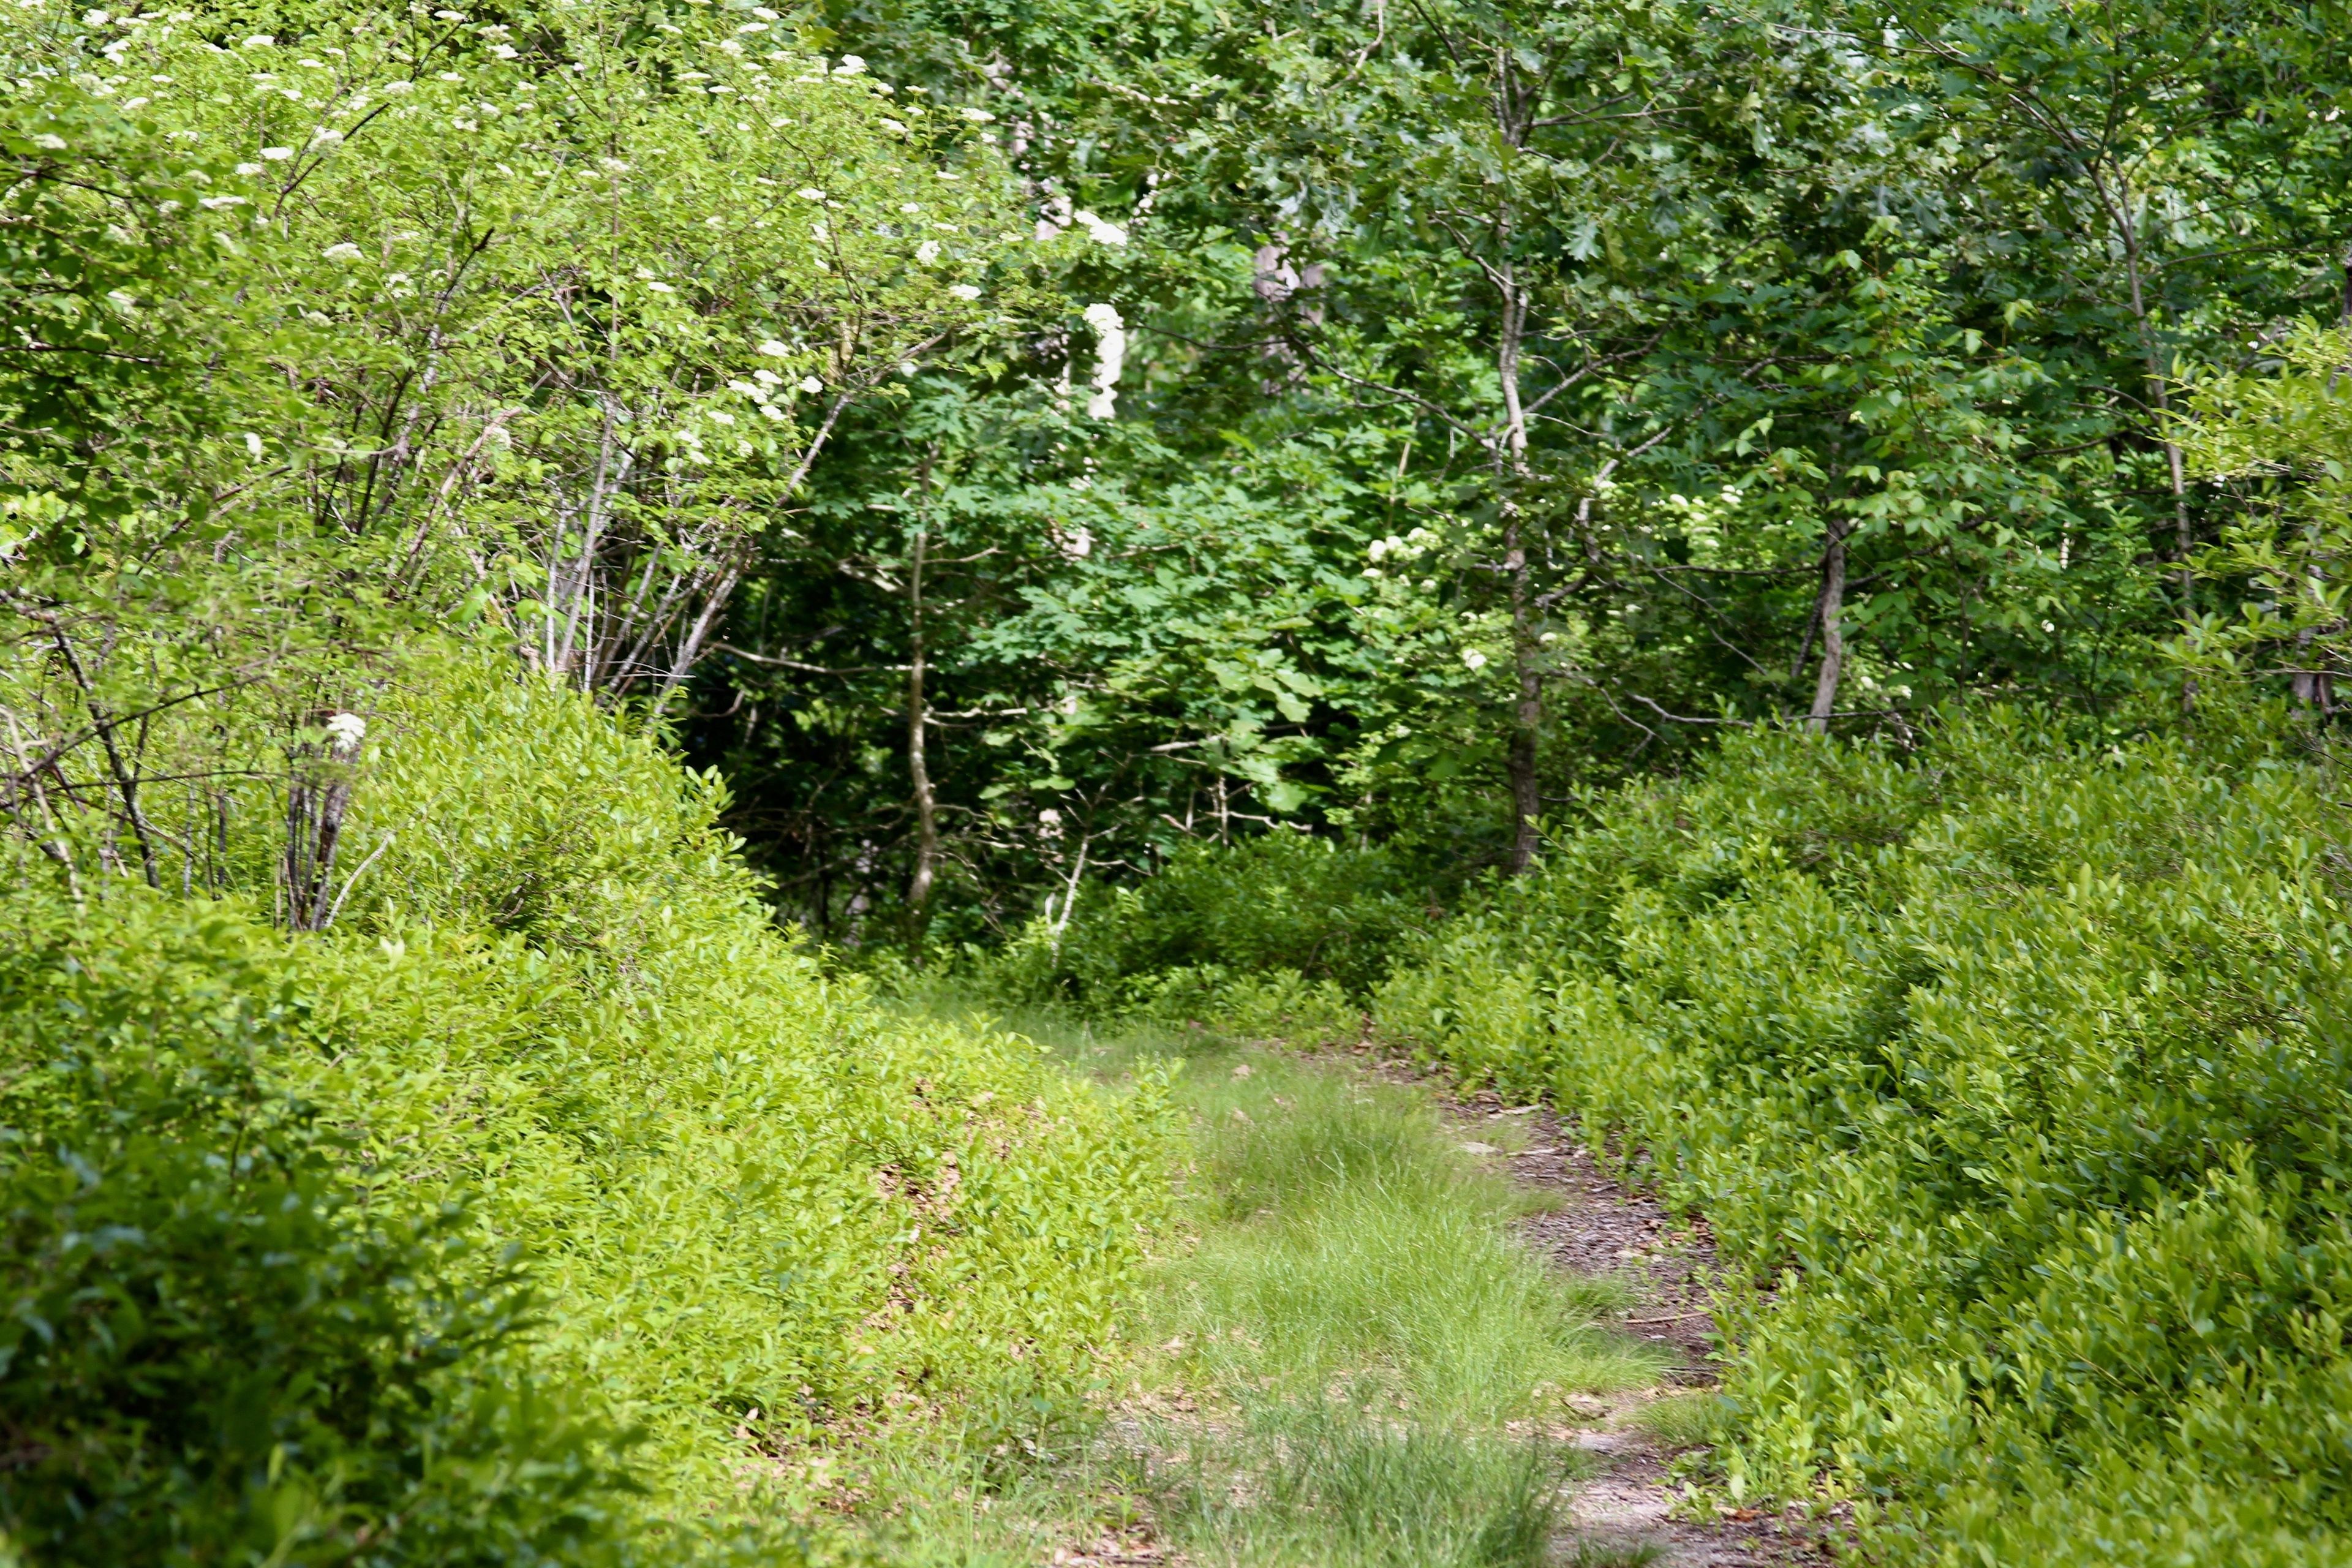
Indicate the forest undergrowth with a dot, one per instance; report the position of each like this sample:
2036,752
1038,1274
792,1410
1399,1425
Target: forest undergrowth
560,567
2008,1070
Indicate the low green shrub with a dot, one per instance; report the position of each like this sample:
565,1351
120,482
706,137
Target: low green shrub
1279,1003
769,1226
1326,913
2017,1076
216,1347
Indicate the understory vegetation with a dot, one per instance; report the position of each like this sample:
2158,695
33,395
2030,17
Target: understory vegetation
551,1205
2012,1075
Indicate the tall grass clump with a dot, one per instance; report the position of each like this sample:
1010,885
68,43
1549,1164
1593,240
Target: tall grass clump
617,1140
1346,1241
2019,1072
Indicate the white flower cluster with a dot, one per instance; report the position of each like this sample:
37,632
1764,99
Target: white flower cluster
1110,358
1098,229
1410,547
1056,218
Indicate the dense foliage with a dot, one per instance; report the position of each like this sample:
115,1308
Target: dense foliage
218,1348
421,1142
1508,397
1166,504
2017,1078
551,1136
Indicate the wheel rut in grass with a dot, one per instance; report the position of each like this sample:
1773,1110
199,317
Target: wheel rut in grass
1590,1225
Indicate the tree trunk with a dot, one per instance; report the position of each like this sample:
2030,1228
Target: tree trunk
1527,718
918,766
317,794
2159,393
1826,615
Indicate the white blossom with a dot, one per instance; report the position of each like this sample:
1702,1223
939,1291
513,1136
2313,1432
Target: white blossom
276,154
1473,659
810,384
1100,231
1111,357
775,350
345,732
928,252
346,251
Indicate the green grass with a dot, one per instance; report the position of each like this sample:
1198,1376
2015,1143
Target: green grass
1352,1360
1346,1240
1323,1484
1684,1420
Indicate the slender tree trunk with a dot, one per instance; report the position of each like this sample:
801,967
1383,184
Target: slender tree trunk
2159,393
318,794
1527,715
1527,718
1826,615
124,780
919,767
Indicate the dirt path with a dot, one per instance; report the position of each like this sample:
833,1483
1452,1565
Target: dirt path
1593,1225
1621,1509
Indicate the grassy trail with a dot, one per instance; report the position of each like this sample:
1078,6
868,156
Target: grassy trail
1351,1356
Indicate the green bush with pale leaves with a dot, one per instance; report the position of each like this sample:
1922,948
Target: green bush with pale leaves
766,1226
2016,1081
